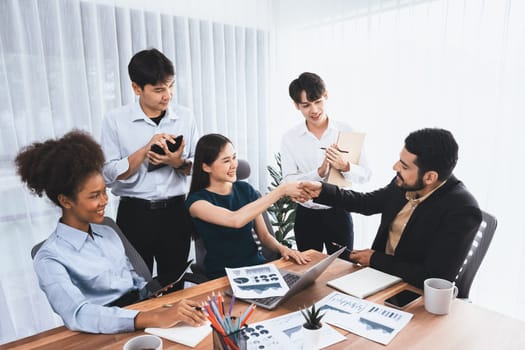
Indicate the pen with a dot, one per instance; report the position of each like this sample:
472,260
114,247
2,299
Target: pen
340,246
340,150
197,308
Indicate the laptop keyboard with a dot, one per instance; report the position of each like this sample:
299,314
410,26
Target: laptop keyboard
290,280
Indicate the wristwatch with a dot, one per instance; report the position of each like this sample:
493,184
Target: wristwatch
184,165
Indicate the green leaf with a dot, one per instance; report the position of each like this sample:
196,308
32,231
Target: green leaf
282,212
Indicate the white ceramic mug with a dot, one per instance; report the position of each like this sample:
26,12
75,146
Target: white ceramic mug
144,342
438,296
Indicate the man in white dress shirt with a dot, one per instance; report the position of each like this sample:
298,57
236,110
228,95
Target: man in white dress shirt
151,211
308,151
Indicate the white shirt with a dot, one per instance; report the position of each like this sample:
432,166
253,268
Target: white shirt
301,155
124,131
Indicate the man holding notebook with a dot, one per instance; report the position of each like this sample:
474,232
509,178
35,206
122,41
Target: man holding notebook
428,217
308,152
148,145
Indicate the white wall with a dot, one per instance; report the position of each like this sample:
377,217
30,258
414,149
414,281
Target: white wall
392,67
252,13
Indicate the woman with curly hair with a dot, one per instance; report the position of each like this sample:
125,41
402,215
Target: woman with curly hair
82,267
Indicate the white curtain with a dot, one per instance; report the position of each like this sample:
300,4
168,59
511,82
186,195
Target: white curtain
63,64
392,67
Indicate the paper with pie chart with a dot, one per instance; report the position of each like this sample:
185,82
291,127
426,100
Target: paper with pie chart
259,281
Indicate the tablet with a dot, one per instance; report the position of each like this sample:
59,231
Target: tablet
155,289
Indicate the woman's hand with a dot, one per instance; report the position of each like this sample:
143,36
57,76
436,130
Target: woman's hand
297,256
290,189
187,311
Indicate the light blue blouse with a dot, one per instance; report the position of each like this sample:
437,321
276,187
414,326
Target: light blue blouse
79,275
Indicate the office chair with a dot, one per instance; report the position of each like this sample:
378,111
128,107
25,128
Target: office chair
134,257
478,249
198,274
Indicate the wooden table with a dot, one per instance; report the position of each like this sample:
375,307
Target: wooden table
467,326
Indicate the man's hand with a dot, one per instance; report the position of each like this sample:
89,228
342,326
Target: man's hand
309,190
323,170
173,159
362,257
334,157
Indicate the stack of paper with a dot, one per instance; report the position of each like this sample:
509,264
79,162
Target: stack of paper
362,317
285,333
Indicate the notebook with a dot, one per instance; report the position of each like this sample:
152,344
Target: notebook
351,143
182,333
172,147
364,282
295,281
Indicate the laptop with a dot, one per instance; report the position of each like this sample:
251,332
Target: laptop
295,282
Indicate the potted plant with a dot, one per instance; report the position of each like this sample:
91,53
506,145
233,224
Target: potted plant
312,317
312,327
282,212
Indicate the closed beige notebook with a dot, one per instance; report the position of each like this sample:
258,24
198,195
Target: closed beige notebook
353,143
364,282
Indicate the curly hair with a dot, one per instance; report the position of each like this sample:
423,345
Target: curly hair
60,166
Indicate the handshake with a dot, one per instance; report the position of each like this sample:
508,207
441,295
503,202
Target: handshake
300,191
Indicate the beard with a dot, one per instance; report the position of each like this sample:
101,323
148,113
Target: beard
417,186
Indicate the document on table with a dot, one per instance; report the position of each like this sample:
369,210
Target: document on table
364,282
370,320
285,333
183,334
259,281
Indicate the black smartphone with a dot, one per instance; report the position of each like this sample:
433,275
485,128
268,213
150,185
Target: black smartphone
402,299
171,146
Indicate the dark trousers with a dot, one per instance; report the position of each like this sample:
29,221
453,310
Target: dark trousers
315,228
160,233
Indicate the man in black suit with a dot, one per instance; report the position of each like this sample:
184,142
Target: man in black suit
428,217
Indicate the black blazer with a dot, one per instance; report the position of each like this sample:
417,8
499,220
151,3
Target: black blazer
436,239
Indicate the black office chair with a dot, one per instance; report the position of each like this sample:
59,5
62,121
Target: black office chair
134,257
475,256
198,274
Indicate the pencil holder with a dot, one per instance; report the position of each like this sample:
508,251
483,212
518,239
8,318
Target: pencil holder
232,341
